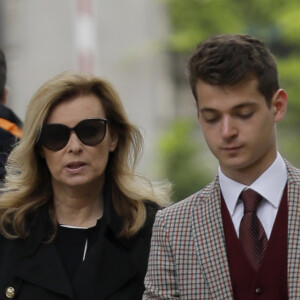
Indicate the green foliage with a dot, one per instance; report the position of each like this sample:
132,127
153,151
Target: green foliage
195,20
288,129
180,159
289,71
289,22
277,23
289,144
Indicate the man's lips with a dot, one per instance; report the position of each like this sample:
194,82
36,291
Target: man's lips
231,148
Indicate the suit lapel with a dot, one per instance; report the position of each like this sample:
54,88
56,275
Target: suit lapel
207,227
293,232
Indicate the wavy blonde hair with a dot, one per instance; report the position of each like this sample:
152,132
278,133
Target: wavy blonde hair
28,180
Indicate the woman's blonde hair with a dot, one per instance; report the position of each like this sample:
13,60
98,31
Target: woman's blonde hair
28,183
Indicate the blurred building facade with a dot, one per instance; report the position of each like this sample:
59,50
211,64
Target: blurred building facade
123,41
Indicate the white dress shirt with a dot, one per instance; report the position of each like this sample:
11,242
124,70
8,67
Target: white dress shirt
270,185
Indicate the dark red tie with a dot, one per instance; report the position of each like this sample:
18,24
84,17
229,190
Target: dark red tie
252,234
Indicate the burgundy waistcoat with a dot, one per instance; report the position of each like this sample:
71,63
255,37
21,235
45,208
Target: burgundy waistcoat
270,281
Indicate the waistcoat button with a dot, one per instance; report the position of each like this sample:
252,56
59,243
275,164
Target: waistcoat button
258,291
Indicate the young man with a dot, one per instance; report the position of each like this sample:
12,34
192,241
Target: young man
238,238
10,124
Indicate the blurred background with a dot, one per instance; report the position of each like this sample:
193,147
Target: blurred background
141,47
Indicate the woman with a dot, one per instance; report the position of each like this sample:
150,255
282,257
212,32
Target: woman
75,219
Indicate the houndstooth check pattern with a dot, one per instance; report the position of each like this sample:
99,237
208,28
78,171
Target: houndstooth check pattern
188,256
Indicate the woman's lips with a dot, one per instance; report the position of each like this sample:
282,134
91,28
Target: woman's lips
75,165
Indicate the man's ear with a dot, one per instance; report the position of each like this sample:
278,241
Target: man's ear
5,95
279,104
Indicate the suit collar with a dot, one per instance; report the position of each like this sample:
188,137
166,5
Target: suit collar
207,227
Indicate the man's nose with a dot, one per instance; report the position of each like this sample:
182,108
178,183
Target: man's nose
228,127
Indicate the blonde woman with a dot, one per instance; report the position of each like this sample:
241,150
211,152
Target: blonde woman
75,219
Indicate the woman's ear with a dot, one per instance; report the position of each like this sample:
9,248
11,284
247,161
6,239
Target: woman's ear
41,152
114,139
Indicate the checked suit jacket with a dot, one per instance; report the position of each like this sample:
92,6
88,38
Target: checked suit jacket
188,258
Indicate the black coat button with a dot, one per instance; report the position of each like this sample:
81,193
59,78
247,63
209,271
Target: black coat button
10,292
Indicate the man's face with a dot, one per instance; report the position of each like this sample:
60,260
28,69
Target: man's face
239,127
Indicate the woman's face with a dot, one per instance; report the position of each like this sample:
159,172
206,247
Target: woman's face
77,165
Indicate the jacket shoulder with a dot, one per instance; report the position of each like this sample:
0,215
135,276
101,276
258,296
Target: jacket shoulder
8,114
293,173
182,210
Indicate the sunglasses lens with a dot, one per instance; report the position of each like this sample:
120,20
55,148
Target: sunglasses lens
91,132
54,136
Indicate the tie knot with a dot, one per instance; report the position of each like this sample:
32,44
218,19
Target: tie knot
251,200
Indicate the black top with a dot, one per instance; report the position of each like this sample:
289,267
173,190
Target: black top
73,245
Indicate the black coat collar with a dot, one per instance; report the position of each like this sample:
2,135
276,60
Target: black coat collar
41,265
41,227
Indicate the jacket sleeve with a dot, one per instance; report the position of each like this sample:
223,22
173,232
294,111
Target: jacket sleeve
160,280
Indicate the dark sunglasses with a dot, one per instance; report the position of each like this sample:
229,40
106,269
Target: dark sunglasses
89,131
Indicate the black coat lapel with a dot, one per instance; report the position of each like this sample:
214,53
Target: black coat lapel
113,261
40,263
45,269
108,269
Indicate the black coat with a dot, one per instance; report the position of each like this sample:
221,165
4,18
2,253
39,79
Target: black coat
113,270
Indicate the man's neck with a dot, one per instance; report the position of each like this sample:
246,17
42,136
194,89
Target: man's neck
250,173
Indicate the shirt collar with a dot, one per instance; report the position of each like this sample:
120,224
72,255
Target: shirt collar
270,185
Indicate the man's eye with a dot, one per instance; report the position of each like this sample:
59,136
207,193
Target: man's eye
209,116
210,119
245,115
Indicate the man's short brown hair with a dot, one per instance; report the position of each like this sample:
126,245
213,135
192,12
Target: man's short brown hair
232,58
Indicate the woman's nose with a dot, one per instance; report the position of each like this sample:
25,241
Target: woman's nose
74,144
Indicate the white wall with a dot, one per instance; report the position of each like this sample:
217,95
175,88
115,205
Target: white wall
39,38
